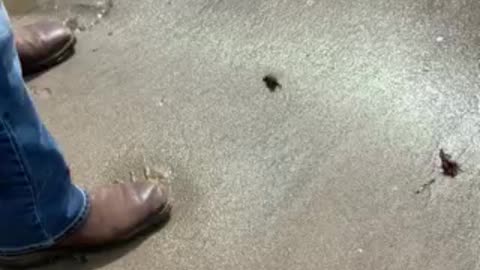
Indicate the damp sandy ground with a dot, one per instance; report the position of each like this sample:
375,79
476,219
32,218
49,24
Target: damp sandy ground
337,169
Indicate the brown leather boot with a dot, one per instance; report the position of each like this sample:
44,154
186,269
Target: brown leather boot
118,213
42,45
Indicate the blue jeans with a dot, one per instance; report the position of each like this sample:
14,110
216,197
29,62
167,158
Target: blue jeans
39,205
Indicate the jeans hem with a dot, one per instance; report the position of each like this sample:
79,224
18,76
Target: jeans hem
71,228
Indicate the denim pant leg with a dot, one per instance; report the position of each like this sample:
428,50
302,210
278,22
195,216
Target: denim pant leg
38,203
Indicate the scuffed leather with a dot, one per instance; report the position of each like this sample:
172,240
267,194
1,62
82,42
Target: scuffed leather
40,41
117,212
